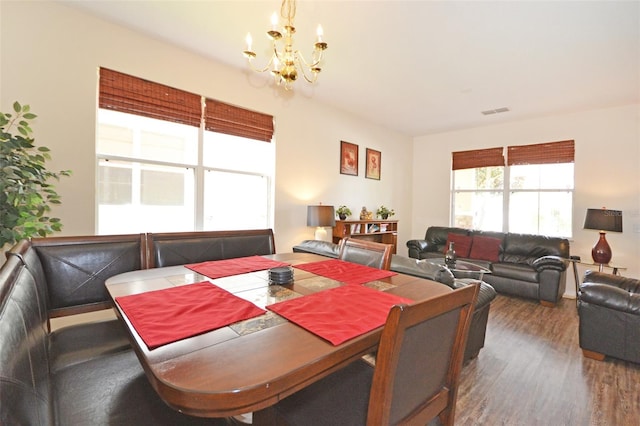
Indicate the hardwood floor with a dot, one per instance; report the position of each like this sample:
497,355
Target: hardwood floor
531,372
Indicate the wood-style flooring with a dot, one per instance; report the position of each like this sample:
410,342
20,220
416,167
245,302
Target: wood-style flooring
531,372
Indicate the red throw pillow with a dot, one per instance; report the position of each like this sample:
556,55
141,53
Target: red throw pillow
461,244
485,248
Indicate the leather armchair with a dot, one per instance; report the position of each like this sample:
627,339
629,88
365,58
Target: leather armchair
609,312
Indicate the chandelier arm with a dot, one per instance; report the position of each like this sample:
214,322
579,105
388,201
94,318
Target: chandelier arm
316,61
305,69
266,67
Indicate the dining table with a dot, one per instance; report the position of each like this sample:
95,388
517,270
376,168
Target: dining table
249,365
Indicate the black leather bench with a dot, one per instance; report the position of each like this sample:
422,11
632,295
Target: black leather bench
85,373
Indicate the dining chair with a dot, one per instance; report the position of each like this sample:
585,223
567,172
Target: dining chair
415,377
365,252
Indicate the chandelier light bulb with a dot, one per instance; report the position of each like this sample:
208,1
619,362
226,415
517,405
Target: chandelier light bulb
319,33
274,21
249,41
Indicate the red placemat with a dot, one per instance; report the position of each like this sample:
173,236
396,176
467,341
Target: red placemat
235,266
346,272
172,314
340,313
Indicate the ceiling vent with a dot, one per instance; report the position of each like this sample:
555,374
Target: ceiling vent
495,111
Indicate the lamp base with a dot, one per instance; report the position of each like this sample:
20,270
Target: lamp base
321,234
601,252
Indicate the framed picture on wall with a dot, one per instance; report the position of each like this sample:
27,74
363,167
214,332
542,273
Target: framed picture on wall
348,158
373,164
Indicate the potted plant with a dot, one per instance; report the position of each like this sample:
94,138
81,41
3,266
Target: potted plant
384,212
343,212
25,194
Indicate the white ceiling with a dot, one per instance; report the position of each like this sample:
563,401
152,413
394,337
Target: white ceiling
422,67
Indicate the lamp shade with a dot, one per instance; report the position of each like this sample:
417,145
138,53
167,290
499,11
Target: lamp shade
321,216
603,220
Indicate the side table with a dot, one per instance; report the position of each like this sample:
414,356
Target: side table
601,267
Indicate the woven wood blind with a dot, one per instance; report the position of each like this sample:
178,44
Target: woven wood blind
133,95
236,121
489,157
543,153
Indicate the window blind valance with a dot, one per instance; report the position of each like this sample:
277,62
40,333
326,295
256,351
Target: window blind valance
543,153
490,157
133,95
232,120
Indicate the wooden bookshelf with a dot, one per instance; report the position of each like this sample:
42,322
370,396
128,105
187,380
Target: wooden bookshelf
381,231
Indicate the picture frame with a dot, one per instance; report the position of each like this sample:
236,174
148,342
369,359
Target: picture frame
348,158
373,164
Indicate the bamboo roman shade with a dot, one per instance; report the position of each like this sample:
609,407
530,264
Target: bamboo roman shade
133,95
543,153
236,121
489,157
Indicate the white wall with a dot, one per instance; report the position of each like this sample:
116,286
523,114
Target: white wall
49,56
607,173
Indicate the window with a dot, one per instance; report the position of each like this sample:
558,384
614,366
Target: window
531,192
162,167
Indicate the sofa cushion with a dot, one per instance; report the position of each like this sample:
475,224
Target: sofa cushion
485,248
515,271
461,244
436,236
524,248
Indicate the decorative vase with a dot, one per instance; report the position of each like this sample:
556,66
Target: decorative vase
450,256
385,215
342,216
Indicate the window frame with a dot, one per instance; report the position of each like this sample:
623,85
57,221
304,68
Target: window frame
546,153
138,97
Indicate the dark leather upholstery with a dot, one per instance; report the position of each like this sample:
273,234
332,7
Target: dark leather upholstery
409,266
531,266
179,248
80,375
24,363
609,312
77,267
412,382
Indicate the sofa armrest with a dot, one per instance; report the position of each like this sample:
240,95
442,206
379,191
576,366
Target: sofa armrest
419,246
630,285
611,297
323,248
549,262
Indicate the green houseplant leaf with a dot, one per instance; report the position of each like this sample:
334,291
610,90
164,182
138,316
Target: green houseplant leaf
25,192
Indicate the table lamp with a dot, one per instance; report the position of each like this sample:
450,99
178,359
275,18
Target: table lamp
321,216
603,220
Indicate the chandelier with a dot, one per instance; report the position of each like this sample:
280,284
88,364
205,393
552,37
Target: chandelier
287,63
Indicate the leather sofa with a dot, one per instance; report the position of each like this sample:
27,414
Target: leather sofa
405,265
609,313
87,373
529,266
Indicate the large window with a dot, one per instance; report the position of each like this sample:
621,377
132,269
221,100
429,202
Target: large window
161,170
530,192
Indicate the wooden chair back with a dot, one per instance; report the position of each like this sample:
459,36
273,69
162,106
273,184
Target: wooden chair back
419,360
370,253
